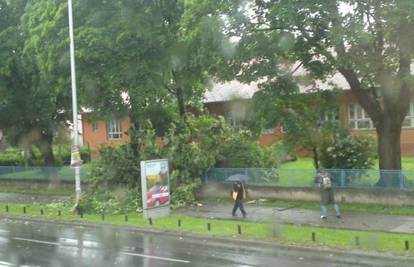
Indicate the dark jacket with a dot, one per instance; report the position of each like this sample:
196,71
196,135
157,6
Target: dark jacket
241,191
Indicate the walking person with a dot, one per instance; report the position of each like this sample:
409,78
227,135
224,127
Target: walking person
324,182
238,194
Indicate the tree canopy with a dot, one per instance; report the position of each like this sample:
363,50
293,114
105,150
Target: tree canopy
368,42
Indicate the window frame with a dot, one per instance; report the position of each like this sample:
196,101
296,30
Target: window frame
364,118
114,129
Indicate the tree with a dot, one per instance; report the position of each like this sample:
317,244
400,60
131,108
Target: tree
308,120
155,52
35,74
368,42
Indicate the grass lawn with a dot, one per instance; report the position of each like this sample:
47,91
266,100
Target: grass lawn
301,173
307,163
39,173
285,234
21,189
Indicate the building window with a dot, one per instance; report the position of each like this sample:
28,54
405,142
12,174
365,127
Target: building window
114,129
94,126
358,118
332,116
267,131
409,119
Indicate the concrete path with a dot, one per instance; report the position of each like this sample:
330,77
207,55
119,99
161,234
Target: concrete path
354,221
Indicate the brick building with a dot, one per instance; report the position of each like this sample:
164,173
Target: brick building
232,101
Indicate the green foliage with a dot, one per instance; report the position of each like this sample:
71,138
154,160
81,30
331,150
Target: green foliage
185,193
11,157
242,150
63,155
349,152
369,43
118,201
117,167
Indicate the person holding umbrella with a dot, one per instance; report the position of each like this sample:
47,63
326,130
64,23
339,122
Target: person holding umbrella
238,194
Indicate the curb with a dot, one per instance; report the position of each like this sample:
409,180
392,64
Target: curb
219,239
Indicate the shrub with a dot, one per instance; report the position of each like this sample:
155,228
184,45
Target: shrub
117,166
185,194
349,152
241,150
11,157
63,155
116,201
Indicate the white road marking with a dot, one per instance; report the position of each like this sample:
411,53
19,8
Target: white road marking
5,263
36,241
122,252
154,257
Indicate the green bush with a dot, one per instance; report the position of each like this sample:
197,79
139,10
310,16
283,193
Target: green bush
242,150
117,166
185,194
11,157
63,155
116,201
349,152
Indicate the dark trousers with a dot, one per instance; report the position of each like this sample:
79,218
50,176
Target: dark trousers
238,204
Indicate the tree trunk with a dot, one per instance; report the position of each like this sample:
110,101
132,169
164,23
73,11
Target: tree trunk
389,150
315,158
46,149
180,101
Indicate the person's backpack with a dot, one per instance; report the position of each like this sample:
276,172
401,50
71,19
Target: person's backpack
326,181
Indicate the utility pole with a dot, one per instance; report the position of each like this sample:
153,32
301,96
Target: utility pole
75,155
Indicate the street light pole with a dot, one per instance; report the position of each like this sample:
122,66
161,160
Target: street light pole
74,101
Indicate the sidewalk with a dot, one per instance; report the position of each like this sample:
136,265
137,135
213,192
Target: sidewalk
286,215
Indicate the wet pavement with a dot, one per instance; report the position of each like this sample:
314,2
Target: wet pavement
285,215
50,244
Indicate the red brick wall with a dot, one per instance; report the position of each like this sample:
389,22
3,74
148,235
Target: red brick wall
95,139
407,134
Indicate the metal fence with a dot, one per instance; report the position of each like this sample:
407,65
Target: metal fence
346,178
18,173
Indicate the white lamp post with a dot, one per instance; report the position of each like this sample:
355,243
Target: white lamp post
75,148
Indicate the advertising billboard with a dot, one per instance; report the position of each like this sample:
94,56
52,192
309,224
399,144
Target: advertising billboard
155,188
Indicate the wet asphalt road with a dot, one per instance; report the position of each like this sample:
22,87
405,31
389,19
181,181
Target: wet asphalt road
46,244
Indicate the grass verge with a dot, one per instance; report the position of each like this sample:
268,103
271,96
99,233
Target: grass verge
21,189
284,234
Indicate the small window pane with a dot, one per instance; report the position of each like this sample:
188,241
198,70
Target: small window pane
114,129
363,124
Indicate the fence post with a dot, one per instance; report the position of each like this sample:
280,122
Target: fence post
342,178
401,176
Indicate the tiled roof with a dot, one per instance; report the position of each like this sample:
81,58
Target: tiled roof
237,90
